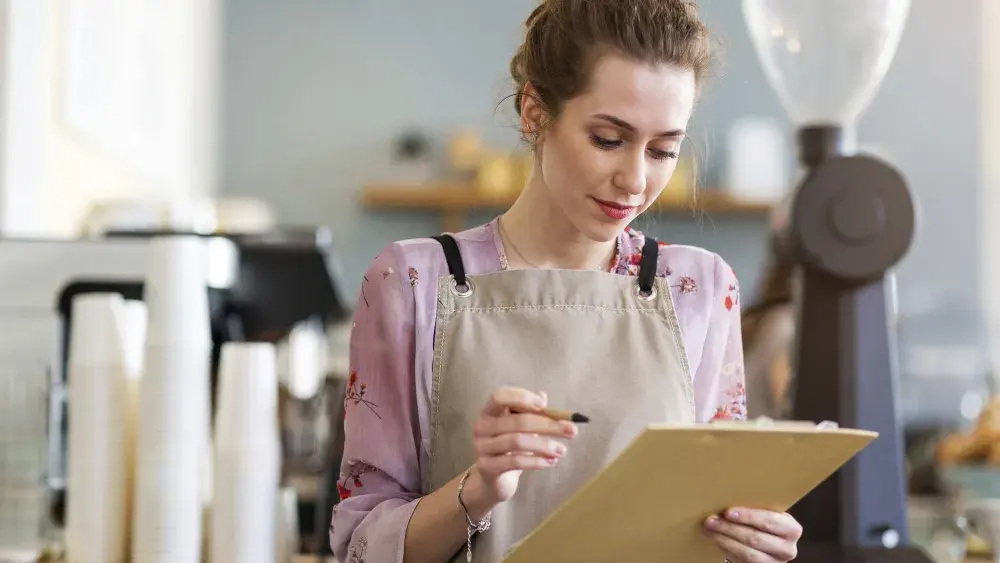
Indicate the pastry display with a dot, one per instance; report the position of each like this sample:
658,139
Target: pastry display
979,446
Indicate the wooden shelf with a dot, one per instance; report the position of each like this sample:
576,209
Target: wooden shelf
455,201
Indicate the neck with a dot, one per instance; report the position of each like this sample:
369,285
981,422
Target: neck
537,233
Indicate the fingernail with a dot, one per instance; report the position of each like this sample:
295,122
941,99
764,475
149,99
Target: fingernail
732,514
569,427
545,397
560,449
553,460
712,522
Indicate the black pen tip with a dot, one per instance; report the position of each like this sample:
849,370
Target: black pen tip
577,417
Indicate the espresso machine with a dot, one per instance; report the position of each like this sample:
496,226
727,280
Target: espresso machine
259,285
852,219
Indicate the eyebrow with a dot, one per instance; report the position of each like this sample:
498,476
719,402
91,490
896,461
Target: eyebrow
629,127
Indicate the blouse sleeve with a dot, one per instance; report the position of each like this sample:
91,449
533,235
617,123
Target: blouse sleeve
720,382
380,474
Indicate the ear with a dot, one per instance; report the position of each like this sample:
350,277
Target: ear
533,115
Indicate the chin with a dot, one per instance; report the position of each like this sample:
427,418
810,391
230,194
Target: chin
600,231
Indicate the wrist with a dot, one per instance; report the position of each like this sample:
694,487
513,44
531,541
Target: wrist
477,500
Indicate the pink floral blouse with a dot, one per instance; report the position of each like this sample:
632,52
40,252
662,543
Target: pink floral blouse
389,392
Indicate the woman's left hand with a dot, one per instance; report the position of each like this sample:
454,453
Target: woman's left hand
755,536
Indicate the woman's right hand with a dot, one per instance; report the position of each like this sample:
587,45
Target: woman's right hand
511,436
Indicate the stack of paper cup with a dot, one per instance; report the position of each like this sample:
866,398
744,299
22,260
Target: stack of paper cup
247,456
134,328
97,479
173,405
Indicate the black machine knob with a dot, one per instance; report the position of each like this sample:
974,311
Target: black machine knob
853,218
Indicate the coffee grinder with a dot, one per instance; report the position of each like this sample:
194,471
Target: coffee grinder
852,219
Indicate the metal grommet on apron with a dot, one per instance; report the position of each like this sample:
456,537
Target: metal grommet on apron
461,287
606,345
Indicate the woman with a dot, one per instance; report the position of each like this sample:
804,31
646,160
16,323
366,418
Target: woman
459,341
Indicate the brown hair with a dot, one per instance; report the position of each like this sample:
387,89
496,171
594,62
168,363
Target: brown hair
565,38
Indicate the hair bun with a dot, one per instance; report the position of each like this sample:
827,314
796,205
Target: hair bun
562,38
536,14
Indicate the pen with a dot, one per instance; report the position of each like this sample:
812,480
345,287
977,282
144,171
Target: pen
562,414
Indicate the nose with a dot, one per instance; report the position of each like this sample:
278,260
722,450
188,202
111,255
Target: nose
631,173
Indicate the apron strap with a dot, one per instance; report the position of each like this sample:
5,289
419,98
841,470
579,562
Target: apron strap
647,267
454,258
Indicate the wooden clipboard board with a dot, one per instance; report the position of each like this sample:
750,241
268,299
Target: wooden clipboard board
650,502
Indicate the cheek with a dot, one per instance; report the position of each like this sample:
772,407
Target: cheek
658,178
575,166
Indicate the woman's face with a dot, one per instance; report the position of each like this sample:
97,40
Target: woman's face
608,156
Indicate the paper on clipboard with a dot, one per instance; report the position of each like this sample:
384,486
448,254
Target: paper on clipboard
650,503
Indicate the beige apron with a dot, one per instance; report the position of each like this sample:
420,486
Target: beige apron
591,340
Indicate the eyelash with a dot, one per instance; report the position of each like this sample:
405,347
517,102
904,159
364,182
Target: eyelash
609,145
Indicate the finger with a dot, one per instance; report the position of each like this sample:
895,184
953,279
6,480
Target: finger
523,423
777,547
736,552
779,524
521,442
495,465
513,398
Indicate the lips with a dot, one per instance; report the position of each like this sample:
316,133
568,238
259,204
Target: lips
615,210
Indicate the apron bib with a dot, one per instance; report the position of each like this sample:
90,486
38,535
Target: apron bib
597,343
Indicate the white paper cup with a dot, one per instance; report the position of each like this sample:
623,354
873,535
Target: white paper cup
134,326
247,456
171,455
244,508
96,336
176,292
97,471
247,410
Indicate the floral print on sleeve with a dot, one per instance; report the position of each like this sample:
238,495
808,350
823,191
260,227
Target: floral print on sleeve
355,395
733,403
351,479
358,551
732,293
720,381
686,285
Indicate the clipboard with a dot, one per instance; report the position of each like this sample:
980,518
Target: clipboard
649,504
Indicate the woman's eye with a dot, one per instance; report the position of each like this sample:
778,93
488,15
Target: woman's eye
611,144
663,155
605,144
